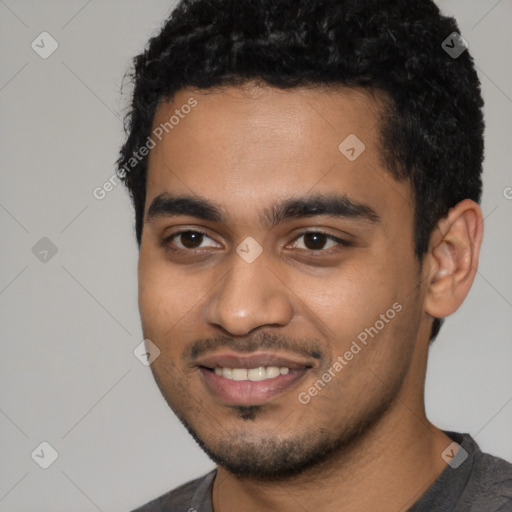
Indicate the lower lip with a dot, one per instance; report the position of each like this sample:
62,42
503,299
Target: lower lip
248,392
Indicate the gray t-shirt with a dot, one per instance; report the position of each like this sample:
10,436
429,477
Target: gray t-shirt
481,483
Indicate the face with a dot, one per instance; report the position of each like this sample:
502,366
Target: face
277,273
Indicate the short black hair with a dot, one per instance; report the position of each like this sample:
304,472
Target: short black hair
431,128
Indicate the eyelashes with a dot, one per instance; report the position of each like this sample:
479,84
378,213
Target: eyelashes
195,236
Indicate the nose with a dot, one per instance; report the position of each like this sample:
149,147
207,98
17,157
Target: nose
248,297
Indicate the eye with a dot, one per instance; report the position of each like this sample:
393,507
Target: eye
313,241
316,241
187,240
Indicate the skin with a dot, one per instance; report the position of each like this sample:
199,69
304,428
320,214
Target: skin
244,148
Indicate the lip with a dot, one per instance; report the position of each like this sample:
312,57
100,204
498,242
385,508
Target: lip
254,360
248,392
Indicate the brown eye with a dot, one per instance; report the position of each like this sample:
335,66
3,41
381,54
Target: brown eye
316,241
187,240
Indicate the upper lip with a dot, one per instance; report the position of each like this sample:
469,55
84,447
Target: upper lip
254,360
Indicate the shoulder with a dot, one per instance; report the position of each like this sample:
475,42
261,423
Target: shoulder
180,498
473,481
490,483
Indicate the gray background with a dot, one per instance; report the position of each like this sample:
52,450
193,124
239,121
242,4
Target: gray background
69,325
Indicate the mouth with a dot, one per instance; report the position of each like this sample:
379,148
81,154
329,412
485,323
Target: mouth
251,379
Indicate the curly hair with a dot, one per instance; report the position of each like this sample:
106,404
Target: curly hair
431,131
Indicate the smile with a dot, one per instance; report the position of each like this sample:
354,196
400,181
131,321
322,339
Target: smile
254,374
241,379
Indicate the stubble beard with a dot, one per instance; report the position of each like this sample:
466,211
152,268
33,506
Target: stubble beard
270,459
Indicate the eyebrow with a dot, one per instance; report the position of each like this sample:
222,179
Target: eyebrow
331,205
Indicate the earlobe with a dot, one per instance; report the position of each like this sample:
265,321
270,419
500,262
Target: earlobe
453,258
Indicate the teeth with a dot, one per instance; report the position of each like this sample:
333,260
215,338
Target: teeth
257,373
273,371
254,374
239,374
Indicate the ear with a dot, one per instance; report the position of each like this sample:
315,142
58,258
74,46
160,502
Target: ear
453,258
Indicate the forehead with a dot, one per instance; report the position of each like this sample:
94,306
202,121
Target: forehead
244,147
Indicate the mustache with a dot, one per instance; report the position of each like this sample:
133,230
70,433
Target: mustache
257,343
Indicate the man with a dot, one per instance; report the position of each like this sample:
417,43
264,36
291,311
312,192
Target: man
306,179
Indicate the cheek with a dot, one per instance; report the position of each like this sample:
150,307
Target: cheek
159,302
168,296
368,315
348,300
